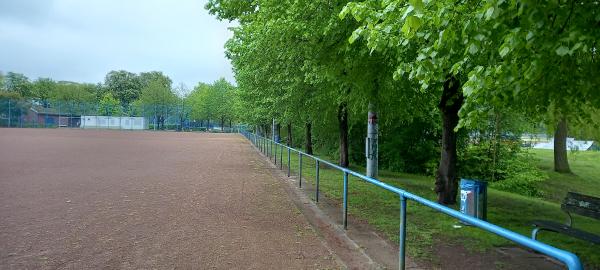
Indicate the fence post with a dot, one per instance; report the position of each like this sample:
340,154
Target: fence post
402,244
345,200
9,114
300,168
289,162
317,180
275,150
281,156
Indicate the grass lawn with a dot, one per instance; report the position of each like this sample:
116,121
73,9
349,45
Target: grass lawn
585,178
425,226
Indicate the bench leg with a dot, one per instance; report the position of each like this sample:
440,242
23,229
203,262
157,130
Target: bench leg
534,233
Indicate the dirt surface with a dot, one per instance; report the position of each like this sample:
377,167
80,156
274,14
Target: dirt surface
81,199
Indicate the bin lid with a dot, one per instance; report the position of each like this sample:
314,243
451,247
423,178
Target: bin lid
470,183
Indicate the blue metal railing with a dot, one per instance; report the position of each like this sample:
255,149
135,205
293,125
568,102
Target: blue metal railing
269,148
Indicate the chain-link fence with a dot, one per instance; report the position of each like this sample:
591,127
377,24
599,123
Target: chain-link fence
23,113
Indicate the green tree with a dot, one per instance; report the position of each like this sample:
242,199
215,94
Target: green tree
109,106
494,53
285,59
123,85
2,81
18,83
155,76
158,97
71,92
212,101
42,88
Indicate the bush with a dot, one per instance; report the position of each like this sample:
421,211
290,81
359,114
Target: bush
410,148
522,176
506,166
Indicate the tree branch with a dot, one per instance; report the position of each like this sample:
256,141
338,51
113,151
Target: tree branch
562,28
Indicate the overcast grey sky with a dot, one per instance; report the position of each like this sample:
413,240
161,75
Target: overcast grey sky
81,41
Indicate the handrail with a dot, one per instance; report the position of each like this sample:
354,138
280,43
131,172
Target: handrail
569,259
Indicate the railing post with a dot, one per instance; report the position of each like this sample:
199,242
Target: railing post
289,162
281,156
300,169
275,150
345,218
402,244
317,180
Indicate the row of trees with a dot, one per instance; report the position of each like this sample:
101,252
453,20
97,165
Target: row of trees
213,101
434,71
126,93
124,86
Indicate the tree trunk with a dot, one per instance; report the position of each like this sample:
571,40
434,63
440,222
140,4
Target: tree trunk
561,163
309,148
208,124
289,134
222,123
267,131
278,129
343,122
446,182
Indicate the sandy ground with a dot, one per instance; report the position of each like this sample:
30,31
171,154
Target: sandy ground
90,199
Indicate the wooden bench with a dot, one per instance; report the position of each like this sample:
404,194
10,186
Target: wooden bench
575,203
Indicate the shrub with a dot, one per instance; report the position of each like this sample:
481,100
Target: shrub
506,166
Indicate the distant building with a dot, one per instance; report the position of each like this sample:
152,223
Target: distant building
572,144
50,116
114,122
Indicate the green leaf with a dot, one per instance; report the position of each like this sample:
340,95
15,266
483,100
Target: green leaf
417,4
355,35
504,50
406,28
409,9
344,12
415,22
489,12
562,50
529,35
473,49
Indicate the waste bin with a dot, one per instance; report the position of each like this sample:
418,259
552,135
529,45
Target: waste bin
473,198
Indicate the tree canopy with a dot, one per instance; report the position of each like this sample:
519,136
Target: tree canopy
466,63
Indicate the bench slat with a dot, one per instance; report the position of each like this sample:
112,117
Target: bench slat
564,229
582,205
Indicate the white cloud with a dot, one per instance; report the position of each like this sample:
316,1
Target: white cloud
83,40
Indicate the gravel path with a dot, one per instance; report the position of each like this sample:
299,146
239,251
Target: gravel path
81,199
